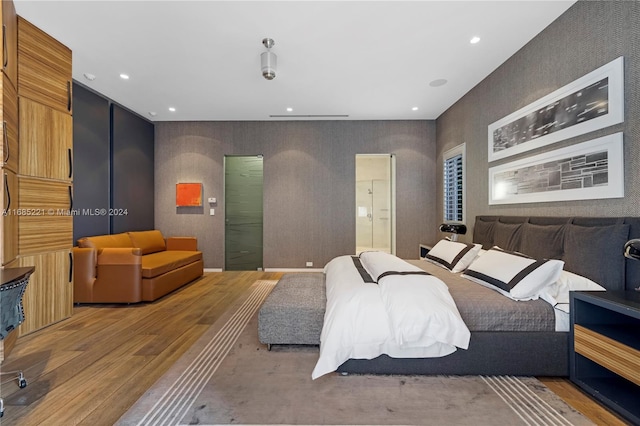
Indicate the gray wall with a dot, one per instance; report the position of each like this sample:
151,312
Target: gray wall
91,161
113,166
309,183
132,176
589,35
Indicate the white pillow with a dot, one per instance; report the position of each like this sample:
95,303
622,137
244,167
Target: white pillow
453,255
514,274
558,292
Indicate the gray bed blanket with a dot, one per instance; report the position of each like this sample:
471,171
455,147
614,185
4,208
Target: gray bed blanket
483,309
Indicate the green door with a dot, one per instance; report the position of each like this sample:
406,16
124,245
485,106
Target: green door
243,213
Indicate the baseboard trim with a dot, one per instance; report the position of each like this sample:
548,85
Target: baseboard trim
293,269
275,270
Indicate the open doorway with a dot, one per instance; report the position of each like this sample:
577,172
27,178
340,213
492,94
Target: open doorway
375,202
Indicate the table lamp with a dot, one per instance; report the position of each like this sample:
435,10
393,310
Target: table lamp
632,251
454,229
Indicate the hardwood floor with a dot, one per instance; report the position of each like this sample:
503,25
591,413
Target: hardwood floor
89,369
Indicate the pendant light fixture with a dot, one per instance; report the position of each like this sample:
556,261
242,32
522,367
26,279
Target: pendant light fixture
269,60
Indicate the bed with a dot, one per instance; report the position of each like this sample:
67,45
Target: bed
591,247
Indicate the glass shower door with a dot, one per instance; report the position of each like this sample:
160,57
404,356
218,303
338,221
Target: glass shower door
381,208
243,213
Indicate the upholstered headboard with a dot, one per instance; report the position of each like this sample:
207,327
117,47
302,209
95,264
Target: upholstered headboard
589,246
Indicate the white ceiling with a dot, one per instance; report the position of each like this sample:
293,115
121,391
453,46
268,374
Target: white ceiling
368,60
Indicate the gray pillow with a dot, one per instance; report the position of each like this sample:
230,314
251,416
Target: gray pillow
507,236
542,241
597,253
483,233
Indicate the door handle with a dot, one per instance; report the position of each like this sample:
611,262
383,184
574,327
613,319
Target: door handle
70,162
5,141
68,96
70,199
70,267
8,191
4,46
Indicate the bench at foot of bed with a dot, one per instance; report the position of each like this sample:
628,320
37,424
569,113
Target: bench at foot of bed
293,313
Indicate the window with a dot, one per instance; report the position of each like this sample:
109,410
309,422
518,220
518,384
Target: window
453,165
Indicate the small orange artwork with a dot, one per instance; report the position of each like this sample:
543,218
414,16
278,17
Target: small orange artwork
188,194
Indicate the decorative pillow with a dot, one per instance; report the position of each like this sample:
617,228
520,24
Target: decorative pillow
148,241
557,294
453,255
507,235
483,232
513,274
604,243
121,240
542,241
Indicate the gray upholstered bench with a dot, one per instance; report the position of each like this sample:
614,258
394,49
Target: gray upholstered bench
293,313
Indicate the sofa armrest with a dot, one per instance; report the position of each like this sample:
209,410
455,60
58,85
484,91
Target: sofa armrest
182,243
118,276
84,273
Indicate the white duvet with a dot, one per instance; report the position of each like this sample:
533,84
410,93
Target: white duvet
403,316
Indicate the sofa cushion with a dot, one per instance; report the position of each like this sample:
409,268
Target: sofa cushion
160,262
148,241
106,241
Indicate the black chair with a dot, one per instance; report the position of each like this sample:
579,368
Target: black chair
14,283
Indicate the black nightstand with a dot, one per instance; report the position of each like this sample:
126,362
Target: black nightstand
605,348
424,249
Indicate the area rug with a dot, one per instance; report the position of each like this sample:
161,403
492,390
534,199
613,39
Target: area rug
228,377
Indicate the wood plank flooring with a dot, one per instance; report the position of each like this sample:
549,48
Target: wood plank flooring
89,369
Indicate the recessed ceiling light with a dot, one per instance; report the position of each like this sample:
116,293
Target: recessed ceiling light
289,109
414,109
89,76
172,109
474,40
153,113
124,76
439,82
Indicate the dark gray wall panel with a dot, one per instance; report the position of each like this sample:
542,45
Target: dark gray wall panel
90,162
132,171
587,36
309,183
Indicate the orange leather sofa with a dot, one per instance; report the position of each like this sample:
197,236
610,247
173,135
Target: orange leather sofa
133,266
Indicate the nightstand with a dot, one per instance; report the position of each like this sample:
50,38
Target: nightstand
604,357
424,249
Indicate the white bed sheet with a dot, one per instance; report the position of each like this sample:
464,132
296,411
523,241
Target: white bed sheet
407,316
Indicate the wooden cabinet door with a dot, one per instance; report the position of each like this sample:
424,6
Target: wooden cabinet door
46,141
44,66
49,294
9,125
9,219
45,218
10,41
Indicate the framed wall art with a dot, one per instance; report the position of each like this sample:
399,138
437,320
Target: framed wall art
188,194
592,102
588,170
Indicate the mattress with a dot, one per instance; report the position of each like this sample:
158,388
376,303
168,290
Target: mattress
483,309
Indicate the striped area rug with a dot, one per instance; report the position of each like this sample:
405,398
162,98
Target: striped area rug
181,386
527,404
228,377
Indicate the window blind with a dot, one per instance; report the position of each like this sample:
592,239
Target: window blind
453,188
